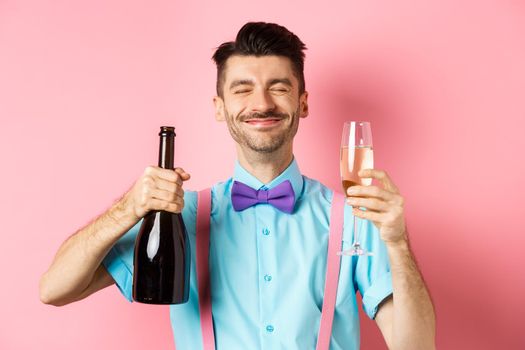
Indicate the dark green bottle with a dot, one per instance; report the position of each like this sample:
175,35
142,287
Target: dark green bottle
162,253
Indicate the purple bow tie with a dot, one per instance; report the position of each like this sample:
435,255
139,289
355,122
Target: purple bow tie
281,196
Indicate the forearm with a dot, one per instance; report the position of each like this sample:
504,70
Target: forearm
78,258
413,322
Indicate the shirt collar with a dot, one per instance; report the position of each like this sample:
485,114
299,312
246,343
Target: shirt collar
291,173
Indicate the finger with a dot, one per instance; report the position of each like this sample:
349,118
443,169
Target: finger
368,215
165,196
157,204
165,185
380,175
368,203
166,174
185,176
370,191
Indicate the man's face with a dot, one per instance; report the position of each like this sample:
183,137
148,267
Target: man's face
261,102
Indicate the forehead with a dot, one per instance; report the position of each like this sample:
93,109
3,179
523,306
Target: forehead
256,68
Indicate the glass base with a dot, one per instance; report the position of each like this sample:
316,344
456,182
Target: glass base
356,250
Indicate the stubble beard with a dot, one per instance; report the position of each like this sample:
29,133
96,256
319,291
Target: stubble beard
262,144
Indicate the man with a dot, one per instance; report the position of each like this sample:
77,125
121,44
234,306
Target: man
266,265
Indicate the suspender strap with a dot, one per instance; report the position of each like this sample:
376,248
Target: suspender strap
332,271
203,271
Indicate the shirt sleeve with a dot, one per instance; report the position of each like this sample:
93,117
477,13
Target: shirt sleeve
372,275
119,260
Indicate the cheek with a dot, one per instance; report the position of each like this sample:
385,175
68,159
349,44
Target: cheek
234,108
289,102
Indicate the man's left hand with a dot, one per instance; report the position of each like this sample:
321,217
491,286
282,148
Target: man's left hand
384,206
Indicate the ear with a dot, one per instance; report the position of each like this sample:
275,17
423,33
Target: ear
303,105
219,109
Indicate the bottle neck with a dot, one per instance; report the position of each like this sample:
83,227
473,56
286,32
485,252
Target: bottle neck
166,150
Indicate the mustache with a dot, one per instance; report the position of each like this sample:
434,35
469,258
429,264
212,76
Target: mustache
264,115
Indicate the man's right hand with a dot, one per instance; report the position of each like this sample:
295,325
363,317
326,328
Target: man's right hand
77,270
156,189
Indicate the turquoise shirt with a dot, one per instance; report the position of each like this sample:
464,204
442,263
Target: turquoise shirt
267,270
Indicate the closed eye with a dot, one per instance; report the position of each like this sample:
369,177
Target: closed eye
241,91
280,87
280,90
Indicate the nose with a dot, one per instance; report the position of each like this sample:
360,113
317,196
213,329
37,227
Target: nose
262,101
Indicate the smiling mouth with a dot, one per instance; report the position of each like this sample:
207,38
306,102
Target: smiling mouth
263,122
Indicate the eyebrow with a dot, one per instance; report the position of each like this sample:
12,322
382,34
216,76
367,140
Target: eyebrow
284,81
240,82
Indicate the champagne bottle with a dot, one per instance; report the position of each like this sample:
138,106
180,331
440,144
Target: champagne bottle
162,252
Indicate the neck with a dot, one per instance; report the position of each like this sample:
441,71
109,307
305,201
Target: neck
265,166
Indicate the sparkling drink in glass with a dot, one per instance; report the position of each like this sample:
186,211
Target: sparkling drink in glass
357,153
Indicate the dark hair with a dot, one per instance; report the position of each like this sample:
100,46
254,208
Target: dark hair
262,39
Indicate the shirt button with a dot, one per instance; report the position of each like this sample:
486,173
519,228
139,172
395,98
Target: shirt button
269,328
265,232
267,278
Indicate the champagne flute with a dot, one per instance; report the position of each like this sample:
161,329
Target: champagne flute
356,154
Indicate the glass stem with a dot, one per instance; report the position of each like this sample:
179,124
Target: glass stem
356,234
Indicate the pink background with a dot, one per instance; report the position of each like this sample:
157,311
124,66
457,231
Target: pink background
85,85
